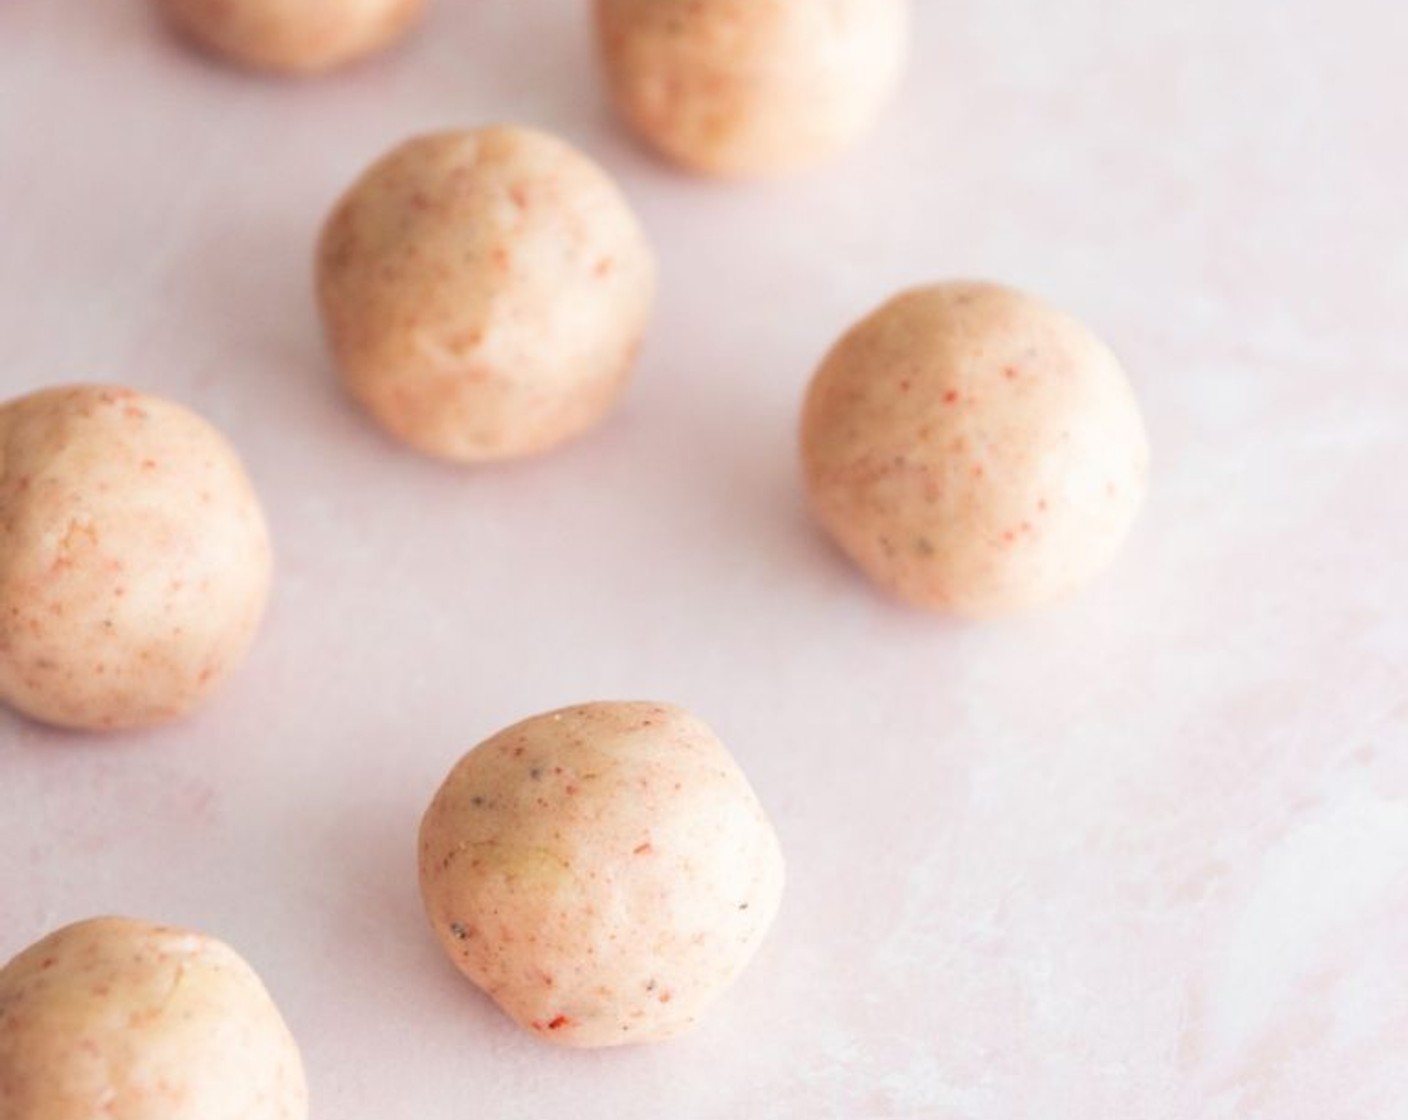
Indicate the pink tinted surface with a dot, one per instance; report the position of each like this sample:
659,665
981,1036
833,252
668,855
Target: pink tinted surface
1144,855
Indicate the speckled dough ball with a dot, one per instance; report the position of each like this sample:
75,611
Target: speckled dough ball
973,449
113,1017
295,36
134,558
752,87
484,293
603,872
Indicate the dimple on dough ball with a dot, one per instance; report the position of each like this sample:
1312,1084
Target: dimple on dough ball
134,558
603,872
294,36
485,292
120,1018
752,87
973,449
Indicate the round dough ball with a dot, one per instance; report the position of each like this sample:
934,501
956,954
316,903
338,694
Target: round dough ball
752,87
485,293
973,449
603,872
294,36
134,558
114,1017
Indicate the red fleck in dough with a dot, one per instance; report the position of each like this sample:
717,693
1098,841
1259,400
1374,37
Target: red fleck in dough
134,558
113,1017
484,293
752,87
293,36
616,914
1005,476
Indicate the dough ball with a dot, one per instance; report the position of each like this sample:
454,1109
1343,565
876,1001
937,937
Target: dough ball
603,872
973,449
752,87
113,1017
484,293
295,36
134,558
